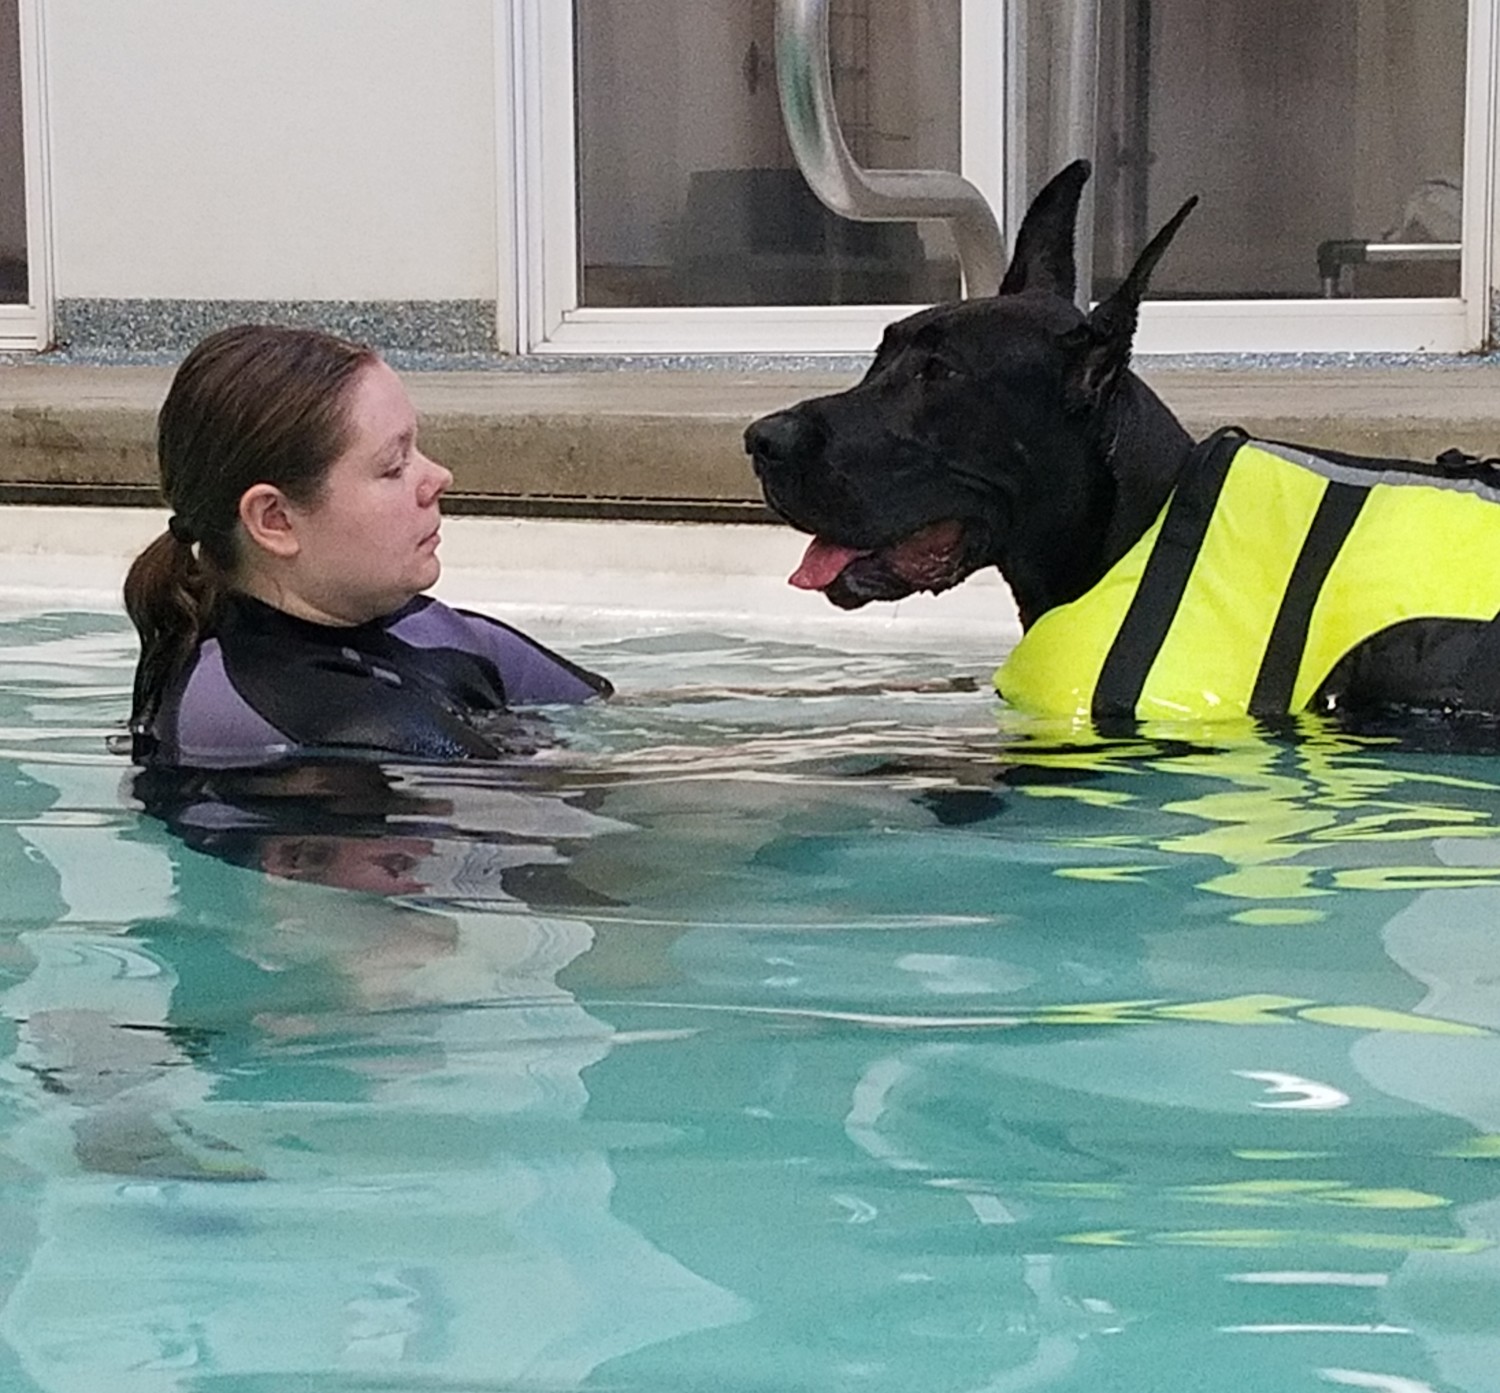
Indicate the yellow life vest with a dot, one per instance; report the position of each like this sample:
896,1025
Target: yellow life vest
1266,566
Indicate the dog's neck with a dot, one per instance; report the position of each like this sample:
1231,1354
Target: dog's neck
1144,447
1136,449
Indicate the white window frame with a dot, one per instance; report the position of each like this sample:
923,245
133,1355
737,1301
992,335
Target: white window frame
539,311
28,327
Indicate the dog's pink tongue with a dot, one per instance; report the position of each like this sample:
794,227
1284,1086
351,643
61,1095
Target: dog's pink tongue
821,565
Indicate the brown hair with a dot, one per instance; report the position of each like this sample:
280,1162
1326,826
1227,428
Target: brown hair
249,405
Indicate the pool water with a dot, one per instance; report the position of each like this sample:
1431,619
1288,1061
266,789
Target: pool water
800,1021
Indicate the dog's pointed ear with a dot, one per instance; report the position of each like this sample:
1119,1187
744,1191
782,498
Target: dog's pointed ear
1043,258
1101,345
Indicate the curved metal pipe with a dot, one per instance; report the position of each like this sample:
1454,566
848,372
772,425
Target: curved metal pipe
804,78
1076,125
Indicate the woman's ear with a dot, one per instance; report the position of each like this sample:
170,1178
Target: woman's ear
266,517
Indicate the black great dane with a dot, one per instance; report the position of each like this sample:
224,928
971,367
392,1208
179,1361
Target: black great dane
1154,575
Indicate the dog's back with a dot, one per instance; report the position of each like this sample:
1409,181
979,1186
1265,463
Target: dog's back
1276,580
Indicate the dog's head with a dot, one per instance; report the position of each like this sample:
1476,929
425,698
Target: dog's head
977,423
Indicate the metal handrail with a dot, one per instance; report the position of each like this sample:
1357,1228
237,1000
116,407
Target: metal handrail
804,77
1339,253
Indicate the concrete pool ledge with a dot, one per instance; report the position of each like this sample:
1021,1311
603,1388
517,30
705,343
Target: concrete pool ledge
658,453
653,443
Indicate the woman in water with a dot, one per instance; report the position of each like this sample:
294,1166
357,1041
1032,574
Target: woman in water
283,609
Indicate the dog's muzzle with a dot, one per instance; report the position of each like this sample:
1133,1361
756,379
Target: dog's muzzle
789,450
782,445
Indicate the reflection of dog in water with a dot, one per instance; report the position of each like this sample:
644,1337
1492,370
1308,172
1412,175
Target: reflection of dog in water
1153,576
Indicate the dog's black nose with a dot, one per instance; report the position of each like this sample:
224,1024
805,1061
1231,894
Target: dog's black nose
782,439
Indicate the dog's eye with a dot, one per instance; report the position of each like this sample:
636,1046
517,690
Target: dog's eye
937,370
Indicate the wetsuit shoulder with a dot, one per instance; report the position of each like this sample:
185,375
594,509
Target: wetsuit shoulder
320,688
532,673
204,719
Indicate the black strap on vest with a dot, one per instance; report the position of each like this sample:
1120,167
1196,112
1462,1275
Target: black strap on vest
1154,605
1336,514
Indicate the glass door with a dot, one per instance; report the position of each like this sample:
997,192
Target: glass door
687,225
23,297
1341,151
688,191
1340,156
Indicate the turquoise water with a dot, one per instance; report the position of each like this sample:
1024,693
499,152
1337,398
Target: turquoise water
756,1039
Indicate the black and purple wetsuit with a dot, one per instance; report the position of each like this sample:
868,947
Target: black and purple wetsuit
424,683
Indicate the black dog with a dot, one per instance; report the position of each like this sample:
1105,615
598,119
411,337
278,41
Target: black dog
1152,574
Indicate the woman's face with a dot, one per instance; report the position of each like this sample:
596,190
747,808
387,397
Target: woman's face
377,865
369,543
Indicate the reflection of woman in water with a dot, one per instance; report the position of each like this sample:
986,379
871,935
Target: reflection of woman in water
283,609
359,825
398,1079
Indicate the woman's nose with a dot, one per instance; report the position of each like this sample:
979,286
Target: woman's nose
440,479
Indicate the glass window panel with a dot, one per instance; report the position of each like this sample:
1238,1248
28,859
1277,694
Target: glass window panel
13,281
1305,125
689,194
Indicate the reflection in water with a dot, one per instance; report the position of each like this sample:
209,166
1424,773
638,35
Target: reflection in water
1275,811
788,1043
451,835
365,1060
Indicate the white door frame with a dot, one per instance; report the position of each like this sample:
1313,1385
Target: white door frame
28,327
539,312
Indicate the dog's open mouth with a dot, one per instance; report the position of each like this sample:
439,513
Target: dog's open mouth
929,559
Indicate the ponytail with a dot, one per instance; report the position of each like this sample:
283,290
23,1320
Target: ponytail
172,596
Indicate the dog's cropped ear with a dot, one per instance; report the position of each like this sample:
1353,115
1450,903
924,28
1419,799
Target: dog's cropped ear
1043,258
1101,346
